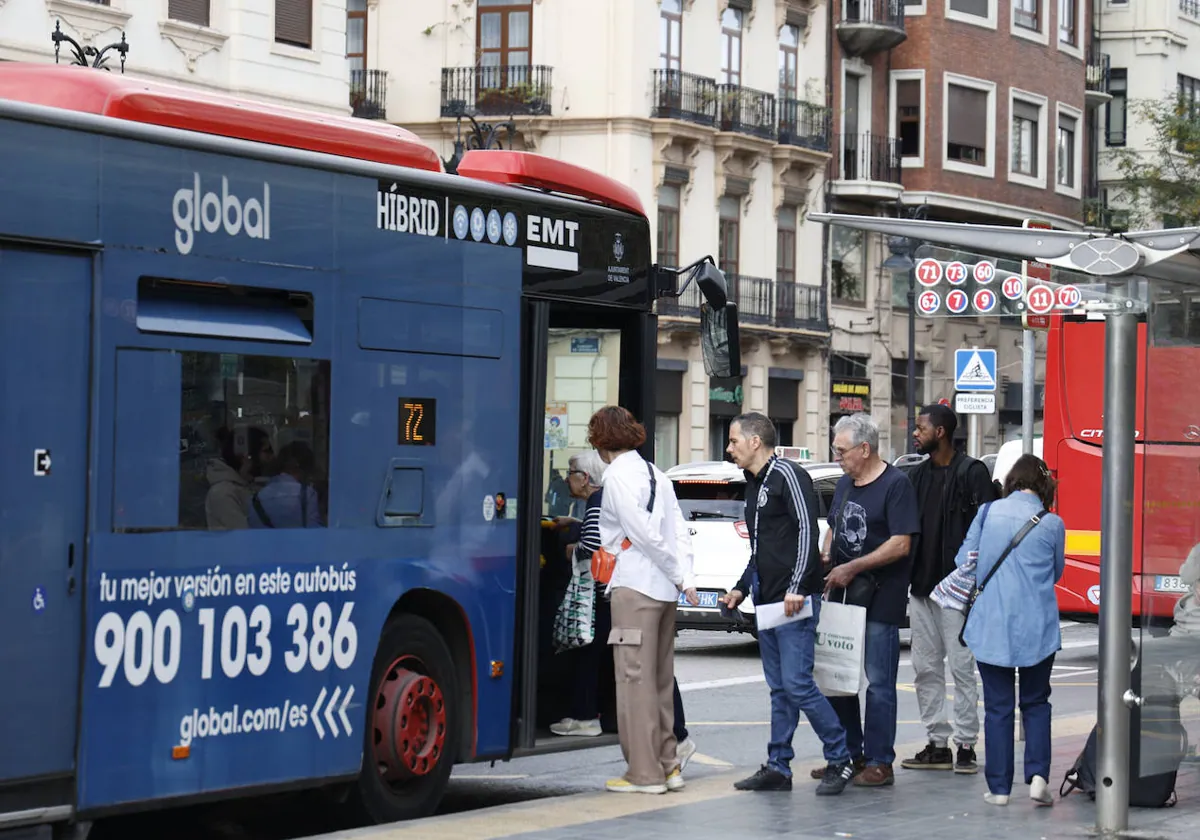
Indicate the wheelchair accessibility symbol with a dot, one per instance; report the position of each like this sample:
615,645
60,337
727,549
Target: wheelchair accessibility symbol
39,599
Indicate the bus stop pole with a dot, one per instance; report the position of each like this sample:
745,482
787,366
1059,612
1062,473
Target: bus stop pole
1028,389
1028,374
1116,573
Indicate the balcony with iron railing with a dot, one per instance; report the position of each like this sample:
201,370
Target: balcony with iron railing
684,96
746,111
804,124
871,26
763,303
368,94
866,166
510,90
1096,84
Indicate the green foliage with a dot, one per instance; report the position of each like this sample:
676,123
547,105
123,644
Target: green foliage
1160,181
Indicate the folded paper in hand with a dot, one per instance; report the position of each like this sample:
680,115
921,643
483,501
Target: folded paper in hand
772,615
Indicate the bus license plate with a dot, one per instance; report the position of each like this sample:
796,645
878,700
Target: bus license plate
1169,583
708,600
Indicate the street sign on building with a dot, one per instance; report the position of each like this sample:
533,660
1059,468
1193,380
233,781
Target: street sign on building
974,370
974,403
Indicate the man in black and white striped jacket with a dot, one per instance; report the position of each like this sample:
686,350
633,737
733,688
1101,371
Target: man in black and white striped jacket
785,566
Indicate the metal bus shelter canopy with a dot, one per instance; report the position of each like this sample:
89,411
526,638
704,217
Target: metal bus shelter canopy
1150,276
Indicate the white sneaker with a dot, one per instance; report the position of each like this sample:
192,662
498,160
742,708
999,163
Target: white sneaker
570,726
995,799
684,751
624,786
675,780
1039,791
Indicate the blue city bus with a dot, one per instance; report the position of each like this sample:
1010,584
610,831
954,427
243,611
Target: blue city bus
279,396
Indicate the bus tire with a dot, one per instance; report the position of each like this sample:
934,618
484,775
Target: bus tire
412,730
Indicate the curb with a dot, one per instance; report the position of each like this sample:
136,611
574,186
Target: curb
500,821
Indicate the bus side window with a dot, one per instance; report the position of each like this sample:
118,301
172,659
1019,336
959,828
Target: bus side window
254,442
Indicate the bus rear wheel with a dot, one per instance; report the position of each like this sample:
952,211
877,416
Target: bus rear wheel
412,731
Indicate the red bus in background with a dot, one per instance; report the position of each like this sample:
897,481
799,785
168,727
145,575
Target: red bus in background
1167,458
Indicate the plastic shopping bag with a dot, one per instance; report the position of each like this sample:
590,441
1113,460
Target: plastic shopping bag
840,648
575,619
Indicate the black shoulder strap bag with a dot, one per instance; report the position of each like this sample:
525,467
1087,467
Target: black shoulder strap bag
978,589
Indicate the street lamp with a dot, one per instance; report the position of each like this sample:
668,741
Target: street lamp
481,136
901,250
82,53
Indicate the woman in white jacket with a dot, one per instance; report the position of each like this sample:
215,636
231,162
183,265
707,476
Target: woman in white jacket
640,522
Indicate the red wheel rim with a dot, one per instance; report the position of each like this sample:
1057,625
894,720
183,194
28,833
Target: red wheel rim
409,721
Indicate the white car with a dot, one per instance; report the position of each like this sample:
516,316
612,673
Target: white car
712,498
711,495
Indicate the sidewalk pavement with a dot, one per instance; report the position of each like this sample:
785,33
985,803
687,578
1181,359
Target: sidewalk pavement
921,805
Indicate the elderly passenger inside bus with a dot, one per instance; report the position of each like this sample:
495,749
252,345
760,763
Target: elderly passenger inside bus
244,456
290,499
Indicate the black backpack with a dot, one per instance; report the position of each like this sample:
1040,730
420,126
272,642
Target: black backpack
1162,726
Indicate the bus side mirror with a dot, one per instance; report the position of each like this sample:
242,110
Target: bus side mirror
719,340
713,284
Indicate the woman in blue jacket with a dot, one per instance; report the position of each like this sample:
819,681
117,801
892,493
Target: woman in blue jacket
1013,625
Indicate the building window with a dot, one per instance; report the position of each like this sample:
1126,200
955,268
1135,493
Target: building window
1027,14
259,423
785,246
1025,119
188,11
504,35
789,61
1066,151
977,8
670,35
847,266
1068,25
668,226
900,382
356,35
908,117
1189,95
731,47
729,231
1114,121
967,125
666,440
294,22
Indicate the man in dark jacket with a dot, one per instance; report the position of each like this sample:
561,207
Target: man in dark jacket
785,566
950,487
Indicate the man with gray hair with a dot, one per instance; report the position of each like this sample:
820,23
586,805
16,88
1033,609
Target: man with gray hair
867,555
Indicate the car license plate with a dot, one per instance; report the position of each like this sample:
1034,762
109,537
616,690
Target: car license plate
1169,583
708,600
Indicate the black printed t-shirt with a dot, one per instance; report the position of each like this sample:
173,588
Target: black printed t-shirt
864,518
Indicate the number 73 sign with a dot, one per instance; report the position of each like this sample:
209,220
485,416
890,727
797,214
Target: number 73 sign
952,283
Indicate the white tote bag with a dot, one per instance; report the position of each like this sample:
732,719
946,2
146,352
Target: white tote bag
840,648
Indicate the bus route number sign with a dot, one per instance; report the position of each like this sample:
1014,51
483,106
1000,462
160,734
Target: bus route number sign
418,421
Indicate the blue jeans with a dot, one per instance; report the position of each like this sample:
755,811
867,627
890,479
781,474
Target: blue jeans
999,701
875,738
787,657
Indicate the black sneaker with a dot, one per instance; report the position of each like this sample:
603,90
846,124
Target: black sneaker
965,763
837,776
766,778
930,758
818,773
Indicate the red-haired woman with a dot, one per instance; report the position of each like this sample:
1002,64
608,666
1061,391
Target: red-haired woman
639,509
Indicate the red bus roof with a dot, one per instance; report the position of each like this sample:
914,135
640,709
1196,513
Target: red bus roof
93,91
529,170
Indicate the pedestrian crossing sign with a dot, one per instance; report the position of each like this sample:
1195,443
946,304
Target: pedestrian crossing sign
974,370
